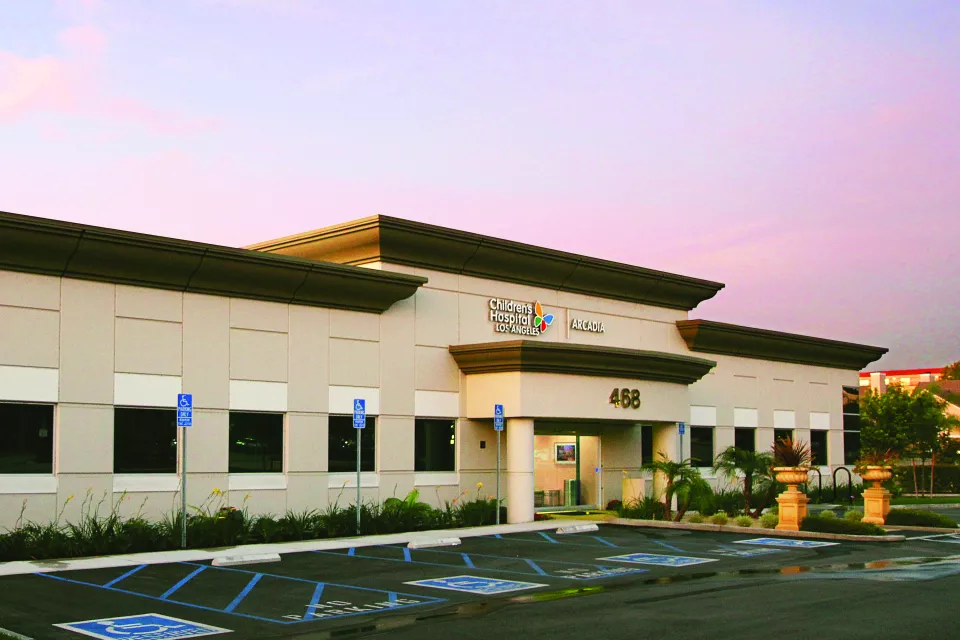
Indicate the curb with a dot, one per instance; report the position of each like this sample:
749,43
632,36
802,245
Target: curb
904,527
813,535
23,567
926,507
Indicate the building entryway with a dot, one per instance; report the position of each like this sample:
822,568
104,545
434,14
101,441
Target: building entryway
567,467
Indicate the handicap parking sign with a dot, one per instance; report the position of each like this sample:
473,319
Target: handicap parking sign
498,417
659,560
476,585
792,544
146,626
359,413
185,410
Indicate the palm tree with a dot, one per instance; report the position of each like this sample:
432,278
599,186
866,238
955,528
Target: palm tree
733,461
680,478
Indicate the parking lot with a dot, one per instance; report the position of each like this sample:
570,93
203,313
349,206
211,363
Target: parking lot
393,589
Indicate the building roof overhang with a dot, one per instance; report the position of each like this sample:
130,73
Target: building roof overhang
747,342
396,241
578,359
51,247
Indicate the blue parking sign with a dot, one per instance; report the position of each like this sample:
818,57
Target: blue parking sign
145,626
476,585
359,413
498,417
185,410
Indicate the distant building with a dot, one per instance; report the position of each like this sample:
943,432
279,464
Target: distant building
949,392
909,379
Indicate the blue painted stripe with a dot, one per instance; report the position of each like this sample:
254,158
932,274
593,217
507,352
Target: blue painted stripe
391,596
535,567
317,594
190,576
547,537
243,594
498,536
124,576
467,561
351,551
606,542
667,545
406,555
184,604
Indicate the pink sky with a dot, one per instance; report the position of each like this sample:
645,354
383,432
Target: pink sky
807,154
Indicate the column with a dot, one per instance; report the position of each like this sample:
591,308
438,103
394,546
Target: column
519,475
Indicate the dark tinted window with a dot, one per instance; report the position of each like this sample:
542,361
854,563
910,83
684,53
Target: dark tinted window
851,447
745,439
782,434
851,400
342,445
26,438
256,442
701,446
818,447
144,440
851,422
435,447
646,444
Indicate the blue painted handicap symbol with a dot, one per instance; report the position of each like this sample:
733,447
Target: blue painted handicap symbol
476,585
359,413
744,553
793,544
659,560
185,410
150,626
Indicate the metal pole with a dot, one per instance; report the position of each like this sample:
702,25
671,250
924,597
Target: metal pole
183,488
498,477
359,434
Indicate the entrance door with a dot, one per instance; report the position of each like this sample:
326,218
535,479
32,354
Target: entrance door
567,471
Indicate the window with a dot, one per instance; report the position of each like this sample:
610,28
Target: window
701,446
26,438
144,440
342,445
745,439
851,425
818,447
435,445
256,442
782,434
646,444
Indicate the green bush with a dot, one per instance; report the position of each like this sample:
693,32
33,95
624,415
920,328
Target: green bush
719,518
946,479
744,521
696,518
919,518
730,502
853,515
827,514
646,509
769,520
839,525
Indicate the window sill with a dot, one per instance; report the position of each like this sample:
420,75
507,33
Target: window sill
368,479
436,478
27,483
144,482
255,481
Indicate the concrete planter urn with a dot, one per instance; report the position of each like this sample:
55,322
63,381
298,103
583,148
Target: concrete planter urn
793,503
876,499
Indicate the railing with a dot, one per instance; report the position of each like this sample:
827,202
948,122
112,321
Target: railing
849,484
819,484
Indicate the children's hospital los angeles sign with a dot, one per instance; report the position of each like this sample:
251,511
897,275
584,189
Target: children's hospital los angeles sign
525,319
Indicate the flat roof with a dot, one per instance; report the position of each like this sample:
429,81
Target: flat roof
416,244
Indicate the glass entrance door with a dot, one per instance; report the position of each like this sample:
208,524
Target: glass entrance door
566,468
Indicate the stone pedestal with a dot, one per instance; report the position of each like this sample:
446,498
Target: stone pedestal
793,508
876,504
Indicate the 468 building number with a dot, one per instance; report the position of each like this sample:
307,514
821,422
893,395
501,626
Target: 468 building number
625,398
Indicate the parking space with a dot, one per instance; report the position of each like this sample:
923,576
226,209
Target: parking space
370,586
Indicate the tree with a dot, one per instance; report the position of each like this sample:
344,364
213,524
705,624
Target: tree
951,371
733,461
681,480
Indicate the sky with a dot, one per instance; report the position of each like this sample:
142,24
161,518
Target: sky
804,153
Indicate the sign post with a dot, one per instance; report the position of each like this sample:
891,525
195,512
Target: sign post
683,428
184,420
498,427
359,423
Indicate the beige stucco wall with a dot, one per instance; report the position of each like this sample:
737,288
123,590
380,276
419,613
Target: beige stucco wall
98,340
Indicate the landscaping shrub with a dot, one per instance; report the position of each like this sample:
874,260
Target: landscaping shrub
853,515
769,520
646,509
719,518
827,514
728,501
696,518
839,525
919,518
744,521
614,505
